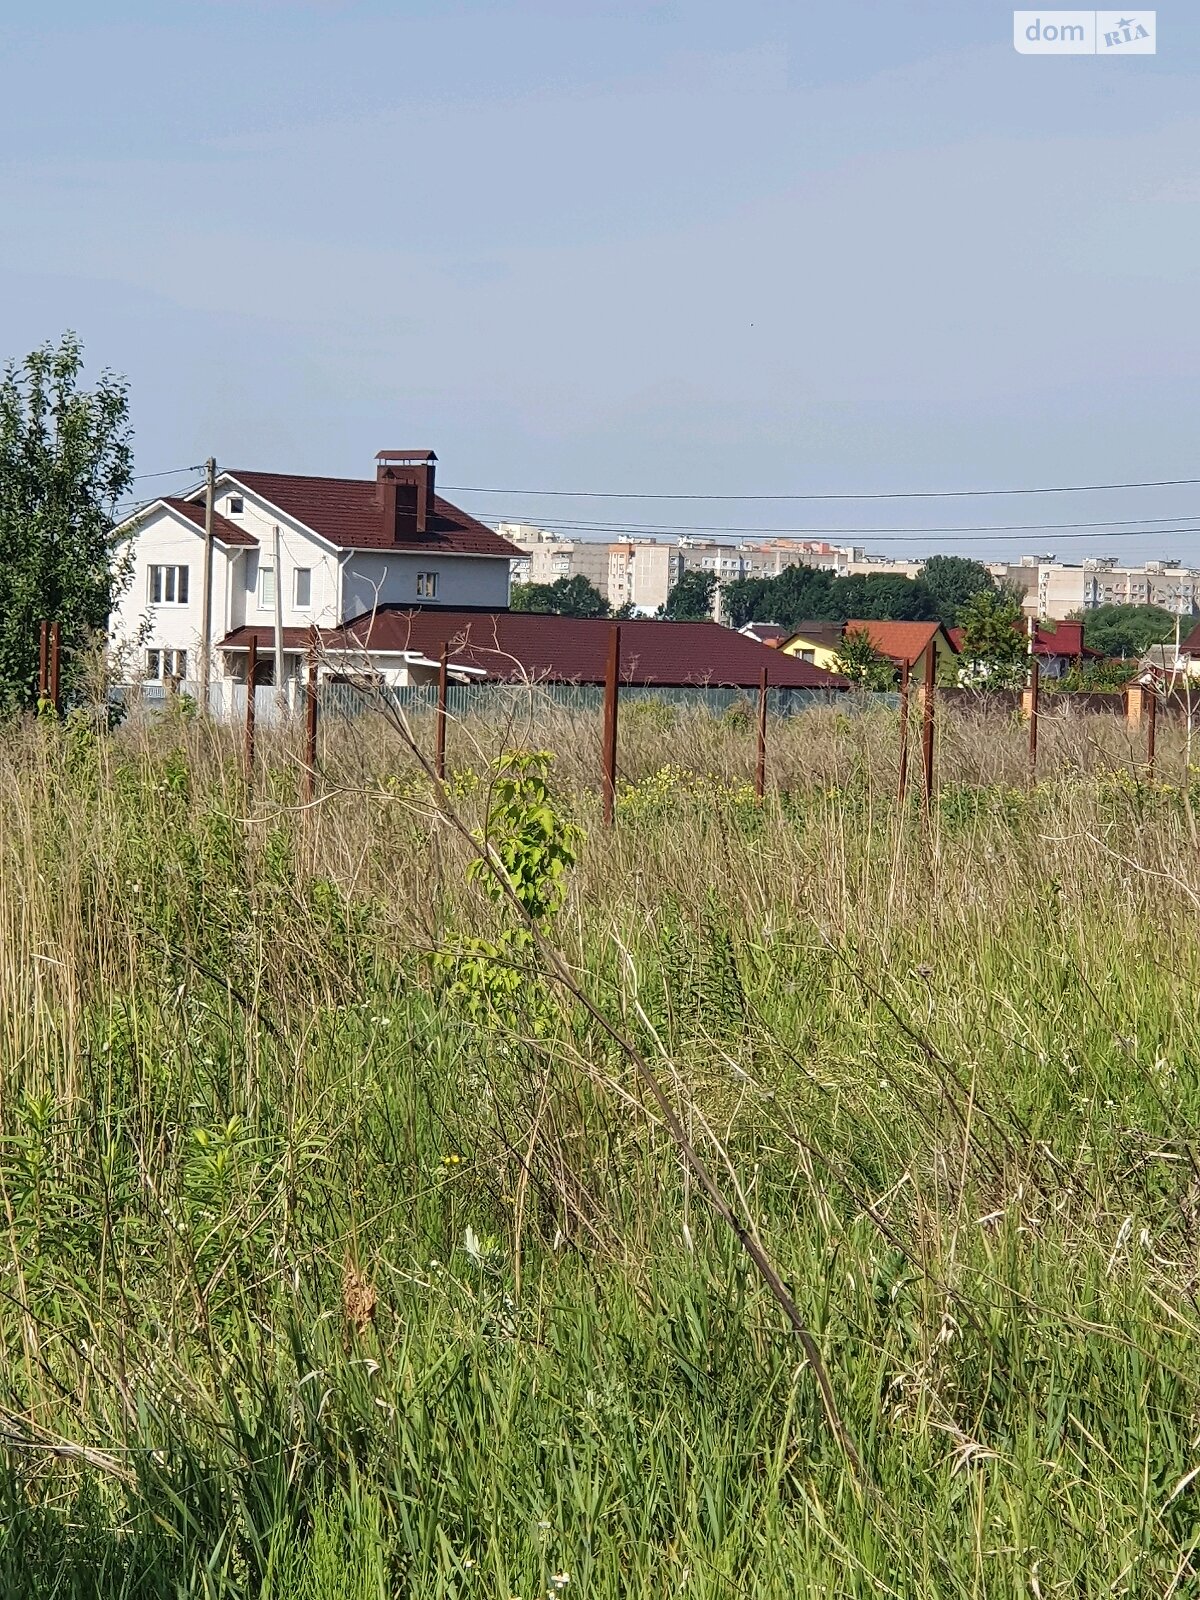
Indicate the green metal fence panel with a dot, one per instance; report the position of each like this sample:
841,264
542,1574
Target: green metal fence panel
494,700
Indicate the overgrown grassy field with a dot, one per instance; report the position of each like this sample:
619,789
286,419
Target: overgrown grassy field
344,1259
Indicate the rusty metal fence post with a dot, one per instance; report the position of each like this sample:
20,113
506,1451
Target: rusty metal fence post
54,665
609,749
1151,729
251,683
310,729
927,734
1035,678
760,765
902,787
439,752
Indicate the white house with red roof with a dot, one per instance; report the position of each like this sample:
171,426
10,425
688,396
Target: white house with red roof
380,576
346,547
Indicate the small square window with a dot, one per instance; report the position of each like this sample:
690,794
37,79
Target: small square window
167,586
164,664
236,505
426,585
302,588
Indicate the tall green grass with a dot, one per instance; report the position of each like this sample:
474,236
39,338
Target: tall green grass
313,1283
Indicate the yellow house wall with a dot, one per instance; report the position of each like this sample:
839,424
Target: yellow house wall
822,655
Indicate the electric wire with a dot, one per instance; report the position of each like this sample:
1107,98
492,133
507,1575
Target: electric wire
891,494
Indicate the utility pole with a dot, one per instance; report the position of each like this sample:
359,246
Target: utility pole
210,473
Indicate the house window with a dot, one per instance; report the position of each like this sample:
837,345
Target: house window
427,585
302,588
236,505
266,588
163,664
808,655
168,586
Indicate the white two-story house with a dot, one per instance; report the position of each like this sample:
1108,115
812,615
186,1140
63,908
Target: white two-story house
308,553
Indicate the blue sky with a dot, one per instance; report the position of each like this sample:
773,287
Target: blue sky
680,246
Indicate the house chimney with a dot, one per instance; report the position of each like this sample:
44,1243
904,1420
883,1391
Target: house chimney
405,491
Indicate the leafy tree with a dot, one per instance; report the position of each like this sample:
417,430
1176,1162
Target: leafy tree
811,594
884,597
691,599
952,581
799,594
858,660
994,647
566,597
1126,630
65,461
746,600
1097,677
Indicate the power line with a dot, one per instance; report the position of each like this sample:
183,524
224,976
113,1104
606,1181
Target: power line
896,494
991,538
167,472
828,533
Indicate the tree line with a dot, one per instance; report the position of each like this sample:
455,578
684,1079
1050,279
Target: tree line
798,594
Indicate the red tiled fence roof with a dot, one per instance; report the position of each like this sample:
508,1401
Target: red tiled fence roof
515,645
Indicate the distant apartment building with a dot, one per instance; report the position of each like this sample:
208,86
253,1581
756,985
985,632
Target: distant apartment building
545,556
1054,589
642,573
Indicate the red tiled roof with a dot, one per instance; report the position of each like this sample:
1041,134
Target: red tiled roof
348,513
514,645
1064,640
239,639
1190,645
828,634
223,530
765,632
900,641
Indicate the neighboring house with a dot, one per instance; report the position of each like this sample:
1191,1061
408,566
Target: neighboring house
766,633
1168,663
909,643
815,642
404,645
901,642
1058,647
346,546
1189,651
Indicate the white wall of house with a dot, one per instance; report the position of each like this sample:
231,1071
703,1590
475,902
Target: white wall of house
382,578
140,624
319,585
298,552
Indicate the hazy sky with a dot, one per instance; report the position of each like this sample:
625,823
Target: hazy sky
692,246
